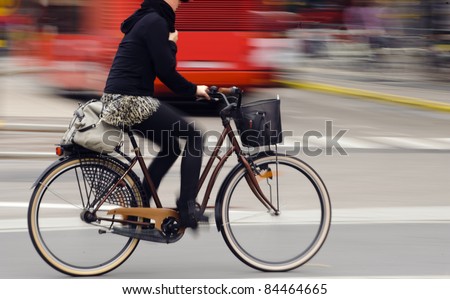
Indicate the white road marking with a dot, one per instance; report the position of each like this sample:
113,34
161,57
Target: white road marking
384,215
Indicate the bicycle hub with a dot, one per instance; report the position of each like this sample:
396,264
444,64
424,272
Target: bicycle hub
88,216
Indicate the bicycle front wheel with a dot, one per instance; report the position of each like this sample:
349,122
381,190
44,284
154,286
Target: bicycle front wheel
63,239
283,238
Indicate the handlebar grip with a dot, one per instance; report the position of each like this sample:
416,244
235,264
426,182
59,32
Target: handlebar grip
226,90
229,90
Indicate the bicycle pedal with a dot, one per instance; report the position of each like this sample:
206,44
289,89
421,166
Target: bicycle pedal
203,219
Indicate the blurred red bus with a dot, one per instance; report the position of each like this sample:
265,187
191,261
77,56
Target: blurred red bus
222,42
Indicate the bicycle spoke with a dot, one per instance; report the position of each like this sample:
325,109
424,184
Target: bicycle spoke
46,188
277,240
70,243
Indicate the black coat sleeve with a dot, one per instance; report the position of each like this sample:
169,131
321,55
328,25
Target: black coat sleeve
163,53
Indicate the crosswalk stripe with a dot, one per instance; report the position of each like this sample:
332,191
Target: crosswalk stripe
299,142
412,143
377,142
368,215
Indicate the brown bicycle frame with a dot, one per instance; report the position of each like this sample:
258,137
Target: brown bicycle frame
235,147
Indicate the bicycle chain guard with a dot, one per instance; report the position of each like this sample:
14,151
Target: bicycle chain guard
166,228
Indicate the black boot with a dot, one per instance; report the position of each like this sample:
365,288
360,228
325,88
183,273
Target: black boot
190,214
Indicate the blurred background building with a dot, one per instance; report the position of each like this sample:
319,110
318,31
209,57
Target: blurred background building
239,42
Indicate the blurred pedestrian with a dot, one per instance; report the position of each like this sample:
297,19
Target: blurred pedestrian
364,17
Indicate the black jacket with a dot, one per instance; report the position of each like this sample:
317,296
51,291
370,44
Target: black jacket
145,53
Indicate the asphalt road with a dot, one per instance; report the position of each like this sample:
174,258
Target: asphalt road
386,168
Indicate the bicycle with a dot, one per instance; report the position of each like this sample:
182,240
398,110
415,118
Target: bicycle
88,211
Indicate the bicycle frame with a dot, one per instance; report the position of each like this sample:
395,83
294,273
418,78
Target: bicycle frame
160,213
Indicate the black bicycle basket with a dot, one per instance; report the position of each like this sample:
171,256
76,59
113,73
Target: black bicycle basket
259,123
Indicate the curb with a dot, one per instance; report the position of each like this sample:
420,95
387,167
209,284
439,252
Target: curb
27,155
21,127
372,95
24,70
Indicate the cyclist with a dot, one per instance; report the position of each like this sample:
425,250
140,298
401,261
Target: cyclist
148,50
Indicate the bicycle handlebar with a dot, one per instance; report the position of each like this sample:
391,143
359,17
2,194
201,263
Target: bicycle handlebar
226,94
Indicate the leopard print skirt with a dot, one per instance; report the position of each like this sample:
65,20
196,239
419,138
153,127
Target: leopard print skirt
119,110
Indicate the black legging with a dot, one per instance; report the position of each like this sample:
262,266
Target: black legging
164,128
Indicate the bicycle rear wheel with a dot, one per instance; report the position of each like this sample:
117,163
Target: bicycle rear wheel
275,241
65,241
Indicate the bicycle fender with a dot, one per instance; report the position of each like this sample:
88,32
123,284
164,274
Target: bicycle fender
226,181
50,167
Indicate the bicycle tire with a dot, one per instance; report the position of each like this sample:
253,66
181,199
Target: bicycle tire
260,238
66,242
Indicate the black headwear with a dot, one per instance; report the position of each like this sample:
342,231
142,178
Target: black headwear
160,6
